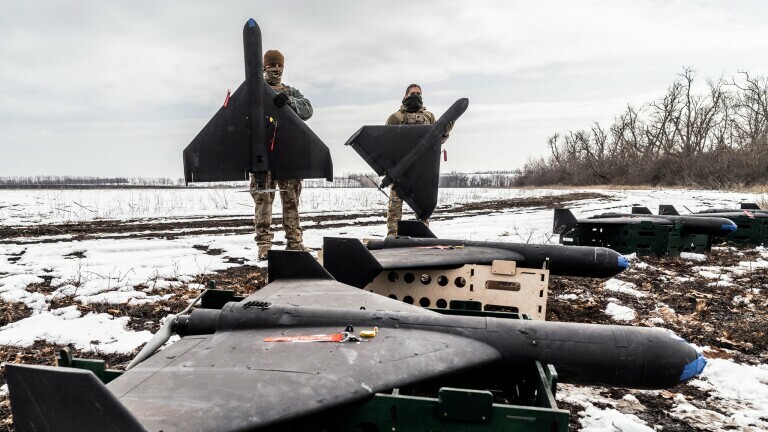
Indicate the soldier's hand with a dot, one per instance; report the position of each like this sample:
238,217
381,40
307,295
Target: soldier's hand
448,127
281,99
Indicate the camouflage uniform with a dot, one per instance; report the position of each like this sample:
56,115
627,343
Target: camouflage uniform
298,103
289,194
403,117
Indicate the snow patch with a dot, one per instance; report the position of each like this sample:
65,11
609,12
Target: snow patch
623,287
693,256
711,272
641,265
759,263
740,390
66,326
620,313
604,420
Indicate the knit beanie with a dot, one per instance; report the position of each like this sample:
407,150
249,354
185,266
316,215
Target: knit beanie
273,56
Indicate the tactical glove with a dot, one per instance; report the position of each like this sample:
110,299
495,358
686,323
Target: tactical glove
447,131
281,99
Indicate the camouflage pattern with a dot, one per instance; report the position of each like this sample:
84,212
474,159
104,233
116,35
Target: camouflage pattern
298,103
422,116
403,117
290,190
394,212
273,75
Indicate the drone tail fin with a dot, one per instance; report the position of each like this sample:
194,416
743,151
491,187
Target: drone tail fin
349,261
415,229
45,398
564,221
283,264
666,209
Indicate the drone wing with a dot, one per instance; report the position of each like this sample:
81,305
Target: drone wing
237,380
408,156
224,151
383,147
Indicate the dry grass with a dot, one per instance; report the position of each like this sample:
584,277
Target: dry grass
755,189
606,187
762,202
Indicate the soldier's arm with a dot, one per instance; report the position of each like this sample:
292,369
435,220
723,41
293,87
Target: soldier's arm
392,120
299,104
447,132
448,126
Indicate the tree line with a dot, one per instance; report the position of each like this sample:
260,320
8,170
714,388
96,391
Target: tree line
41,181
499,179
491,179
715,138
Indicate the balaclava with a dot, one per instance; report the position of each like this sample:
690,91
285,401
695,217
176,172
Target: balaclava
273,75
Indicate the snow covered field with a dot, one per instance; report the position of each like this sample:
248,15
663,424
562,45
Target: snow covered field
133,270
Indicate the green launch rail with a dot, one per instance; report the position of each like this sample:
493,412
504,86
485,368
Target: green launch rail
644,238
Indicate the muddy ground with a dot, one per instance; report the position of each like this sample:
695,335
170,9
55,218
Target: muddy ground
179,227
702,310
729,316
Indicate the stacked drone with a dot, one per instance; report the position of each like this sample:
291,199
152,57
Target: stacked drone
665,234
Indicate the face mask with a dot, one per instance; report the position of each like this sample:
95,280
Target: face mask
412,103
273,75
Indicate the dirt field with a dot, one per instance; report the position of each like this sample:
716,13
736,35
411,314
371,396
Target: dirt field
161,228
730,317
698,310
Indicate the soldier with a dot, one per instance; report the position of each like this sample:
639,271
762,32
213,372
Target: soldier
290,190
412,112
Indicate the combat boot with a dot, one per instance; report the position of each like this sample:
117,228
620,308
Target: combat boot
263,251
297,247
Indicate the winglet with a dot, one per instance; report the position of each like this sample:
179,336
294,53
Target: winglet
641,210
414,228
665,209
349,261
45,398
564,221
294,265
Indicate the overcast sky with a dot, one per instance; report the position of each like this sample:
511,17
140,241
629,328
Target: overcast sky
107,88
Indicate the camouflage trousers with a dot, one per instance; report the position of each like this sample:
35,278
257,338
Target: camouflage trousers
395,213
289,196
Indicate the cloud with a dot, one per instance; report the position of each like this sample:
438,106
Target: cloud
98,72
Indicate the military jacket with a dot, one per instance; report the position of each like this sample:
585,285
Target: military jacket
403,117
298,103
422,116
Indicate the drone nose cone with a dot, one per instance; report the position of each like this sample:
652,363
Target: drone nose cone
251,23
693,368
623,262
729,227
